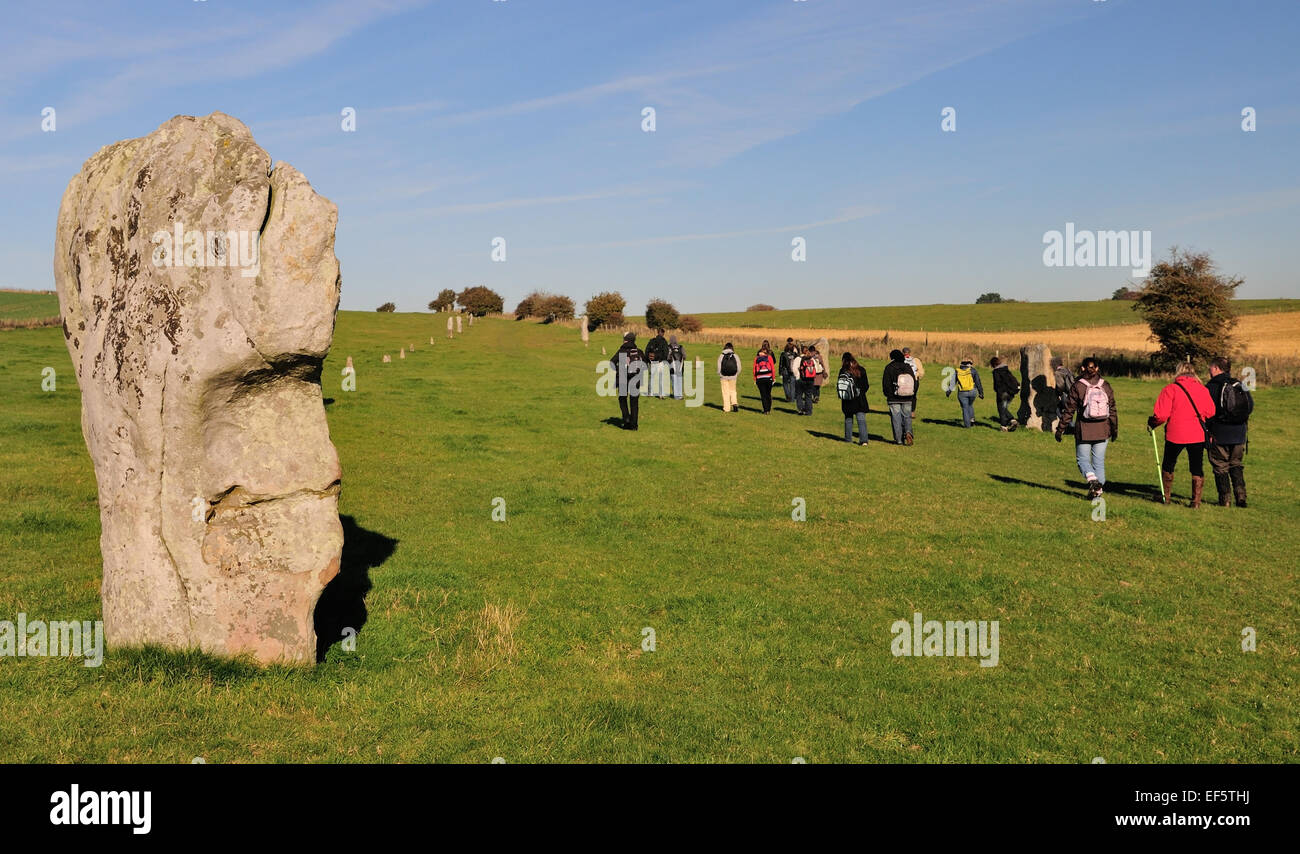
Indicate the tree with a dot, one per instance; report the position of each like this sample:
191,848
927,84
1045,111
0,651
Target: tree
445,301
480,300
388,306
555,307
605,308
762,306
1188,306
527,306
989,297
1124,293
660,314
689,323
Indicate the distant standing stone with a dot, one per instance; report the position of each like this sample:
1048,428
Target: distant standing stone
387,358
450,325
582,323
401,354
459,325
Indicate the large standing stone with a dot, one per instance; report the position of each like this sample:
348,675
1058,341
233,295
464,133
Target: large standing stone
199,362
1037,388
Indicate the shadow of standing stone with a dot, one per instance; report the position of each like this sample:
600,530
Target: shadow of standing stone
342,604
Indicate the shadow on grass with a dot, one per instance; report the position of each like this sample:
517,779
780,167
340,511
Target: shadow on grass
342,604
871,437
614,421
1079,488
718,406
956,422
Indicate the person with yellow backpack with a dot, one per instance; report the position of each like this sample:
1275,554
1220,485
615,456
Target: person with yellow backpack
966,382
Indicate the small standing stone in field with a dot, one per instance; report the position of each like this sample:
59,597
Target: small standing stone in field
471,320
459,325
1037,388
411,348
430,340
450,325
582,324
602,352
349,361
401,354
387,358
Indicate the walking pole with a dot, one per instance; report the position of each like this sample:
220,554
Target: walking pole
1159,479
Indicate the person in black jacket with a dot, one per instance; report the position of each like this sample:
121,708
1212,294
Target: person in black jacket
629,363
786,366
899,384
852,381
657,355
1005,387
1232,408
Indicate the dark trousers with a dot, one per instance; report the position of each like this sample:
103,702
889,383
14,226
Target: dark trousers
787,385
630,405
1004,411
804,396
765,393
1195,457
1226,457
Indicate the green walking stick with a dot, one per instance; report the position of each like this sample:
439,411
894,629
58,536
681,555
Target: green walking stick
1159,479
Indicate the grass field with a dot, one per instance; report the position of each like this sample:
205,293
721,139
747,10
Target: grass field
522,639
996,317
24,305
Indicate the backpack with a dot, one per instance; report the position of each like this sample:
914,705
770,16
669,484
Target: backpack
1096,405
763,367
730,365
905,385
676,353
808,368
1235,404
845,387
965,379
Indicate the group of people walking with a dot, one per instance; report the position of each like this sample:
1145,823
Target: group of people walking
1198,418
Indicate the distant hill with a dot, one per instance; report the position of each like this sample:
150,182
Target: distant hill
993,317
27,305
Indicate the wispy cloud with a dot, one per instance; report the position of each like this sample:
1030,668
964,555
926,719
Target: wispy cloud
848,215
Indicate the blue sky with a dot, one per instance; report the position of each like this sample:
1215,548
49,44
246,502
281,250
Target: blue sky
774,119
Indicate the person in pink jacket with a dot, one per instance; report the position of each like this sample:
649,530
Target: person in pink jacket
1183,407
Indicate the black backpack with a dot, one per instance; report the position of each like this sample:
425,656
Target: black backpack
1235,404
676,353
730,365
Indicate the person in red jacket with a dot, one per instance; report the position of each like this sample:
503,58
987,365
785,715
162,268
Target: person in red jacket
764,373
1183,407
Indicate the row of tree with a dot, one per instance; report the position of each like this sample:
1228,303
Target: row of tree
603,309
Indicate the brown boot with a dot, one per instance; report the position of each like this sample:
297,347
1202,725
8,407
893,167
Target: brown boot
1238,485
1224,485
1167,478
1198,486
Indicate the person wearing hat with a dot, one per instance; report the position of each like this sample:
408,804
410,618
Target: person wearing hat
629,363
676,364
966,382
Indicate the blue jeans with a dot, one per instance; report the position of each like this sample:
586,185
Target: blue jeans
967,401
677,383
862,427
900,418
804,396
787,385
1004,410
1091,457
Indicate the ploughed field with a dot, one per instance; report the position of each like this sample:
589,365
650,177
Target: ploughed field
523,639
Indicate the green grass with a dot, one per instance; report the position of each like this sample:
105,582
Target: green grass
997,317
1119,639
24,306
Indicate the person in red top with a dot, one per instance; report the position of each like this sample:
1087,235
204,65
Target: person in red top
764,373
1183,407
